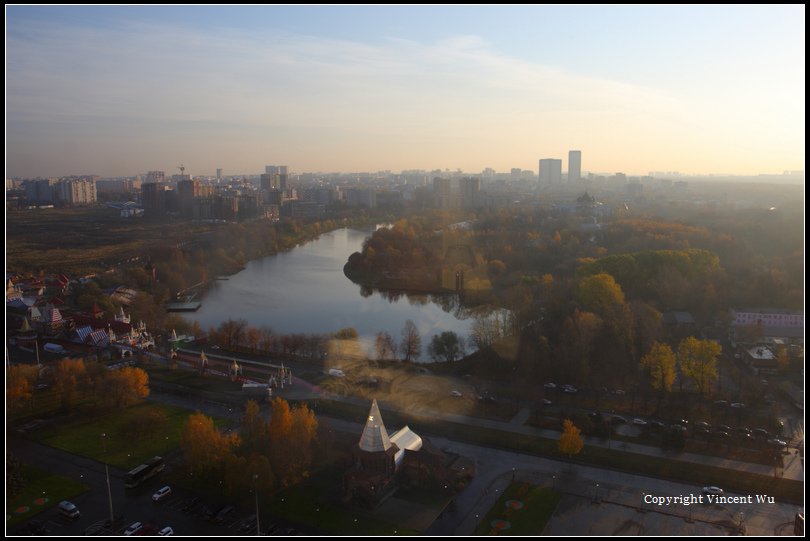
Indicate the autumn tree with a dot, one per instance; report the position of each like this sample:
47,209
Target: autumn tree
20,380
599,293
577,341
384,346
660,362
446,346
126,386
232,332
488,329
570,439
254,428
252,338
204,447
247,473
292,434
266,339
698,361
70,375
411,344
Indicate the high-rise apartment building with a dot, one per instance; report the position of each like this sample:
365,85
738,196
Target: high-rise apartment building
550,171
155,177
274,177
574,165
469,188
441,193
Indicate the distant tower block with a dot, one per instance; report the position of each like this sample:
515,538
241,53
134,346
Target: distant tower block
574,165
219,174
550,171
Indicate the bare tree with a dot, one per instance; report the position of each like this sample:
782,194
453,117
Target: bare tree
411,345
384,346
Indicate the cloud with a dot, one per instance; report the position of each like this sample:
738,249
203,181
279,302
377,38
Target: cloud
395,97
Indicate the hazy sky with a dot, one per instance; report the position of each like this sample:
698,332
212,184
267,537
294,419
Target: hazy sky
119,91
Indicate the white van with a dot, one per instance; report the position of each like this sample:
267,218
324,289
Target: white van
162,493
68,509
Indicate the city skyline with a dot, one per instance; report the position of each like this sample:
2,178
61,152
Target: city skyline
117,91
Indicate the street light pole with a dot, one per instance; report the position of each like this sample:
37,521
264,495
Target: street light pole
107,472
256,493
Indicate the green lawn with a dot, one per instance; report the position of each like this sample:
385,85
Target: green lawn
42,491
83,436
315,502
538,502
191,379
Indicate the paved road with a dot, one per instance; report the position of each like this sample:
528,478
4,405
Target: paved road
794,464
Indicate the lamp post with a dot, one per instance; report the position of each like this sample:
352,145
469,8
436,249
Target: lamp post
256,493
107,473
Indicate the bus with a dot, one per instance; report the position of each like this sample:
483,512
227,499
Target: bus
151,467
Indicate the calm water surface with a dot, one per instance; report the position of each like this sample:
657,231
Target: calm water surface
305,291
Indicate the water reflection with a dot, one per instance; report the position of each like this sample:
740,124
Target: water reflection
305,291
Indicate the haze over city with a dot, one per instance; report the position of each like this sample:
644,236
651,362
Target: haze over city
120,91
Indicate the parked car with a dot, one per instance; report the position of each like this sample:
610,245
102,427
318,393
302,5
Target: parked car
656,424
569,389
720,403
761,434
640,422
161,493
737,405
545,402
166,531
133,528
456,394
776,442
714,491
69,510
550,385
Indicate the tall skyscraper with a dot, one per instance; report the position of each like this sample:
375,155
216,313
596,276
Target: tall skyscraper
219,174
550,171
574,165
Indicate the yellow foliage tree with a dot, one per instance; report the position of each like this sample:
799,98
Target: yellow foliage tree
126,386
19,384
600,293
698,361
204,447
292,434
69,374
570,439
660,361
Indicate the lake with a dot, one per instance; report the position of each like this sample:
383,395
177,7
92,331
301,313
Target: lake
304,290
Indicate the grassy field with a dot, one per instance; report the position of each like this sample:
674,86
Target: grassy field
192,380
42,491
538,502
97,235
315,502
83,436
